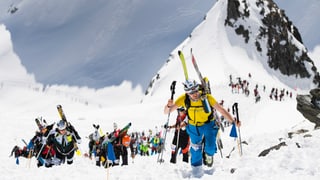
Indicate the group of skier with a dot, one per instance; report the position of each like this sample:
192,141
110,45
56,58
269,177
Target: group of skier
195,134
196,130
52,144
107,149
242,86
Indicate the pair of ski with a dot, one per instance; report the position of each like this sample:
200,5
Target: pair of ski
204,81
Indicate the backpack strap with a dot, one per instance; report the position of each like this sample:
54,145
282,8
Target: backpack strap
187,103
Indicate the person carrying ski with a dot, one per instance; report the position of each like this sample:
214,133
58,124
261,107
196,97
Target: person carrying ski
35,147
181,137
200,124
95,145
119,148
64,143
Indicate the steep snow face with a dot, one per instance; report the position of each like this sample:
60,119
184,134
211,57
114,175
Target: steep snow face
12,70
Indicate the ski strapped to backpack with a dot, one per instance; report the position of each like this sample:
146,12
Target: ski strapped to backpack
121,133
204,84
204,81
184,66
69,126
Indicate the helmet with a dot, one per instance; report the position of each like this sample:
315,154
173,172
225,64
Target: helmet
62,125
42,123
190,86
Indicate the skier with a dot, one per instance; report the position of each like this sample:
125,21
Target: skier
64,143
35,145
144,145
95,145
181,137
118,147
133,145
200,124
155,144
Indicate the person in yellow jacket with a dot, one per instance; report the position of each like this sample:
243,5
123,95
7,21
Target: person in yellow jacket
200,125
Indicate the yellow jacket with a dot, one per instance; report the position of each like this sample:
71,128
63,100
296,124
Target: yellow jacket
196,114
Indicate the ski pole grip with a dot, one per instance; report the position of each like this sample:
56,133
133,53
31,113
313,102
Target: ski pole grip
172,89
235,111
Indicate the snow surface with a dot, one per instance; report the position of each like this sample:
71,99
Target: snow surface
264,124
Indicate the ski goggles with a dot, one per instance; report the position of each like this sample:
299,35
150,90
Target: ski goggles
192,90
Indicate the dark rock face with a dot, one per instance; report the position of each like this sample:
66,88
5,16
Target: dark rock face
283,38
309,106
276,147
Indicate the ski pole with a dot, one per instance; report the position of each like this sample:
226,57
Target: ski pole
235,110
172,89
219,143
177,144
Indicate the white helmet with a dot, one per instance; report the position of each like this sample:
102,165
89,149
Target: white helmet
62,125
190,86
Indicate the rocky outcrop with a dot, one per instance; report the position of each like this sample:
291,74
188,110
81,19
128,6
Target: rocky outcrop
276,147
283,39
309,106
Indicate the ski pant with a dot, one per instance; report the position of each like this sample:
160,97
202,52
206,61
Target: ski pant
208,131
183,144
122,151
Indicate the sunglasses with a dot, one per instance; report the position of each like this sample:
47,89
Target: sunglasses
193,92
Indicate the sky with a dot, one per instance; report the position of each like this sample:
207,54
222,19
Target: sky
67,42
264,124
98,43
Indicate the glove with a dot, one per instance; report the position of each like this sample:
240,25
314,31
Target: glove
166,126
30,145
44,140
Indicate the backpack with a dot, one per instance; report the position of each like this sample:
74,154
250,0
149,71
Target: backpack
188,105
126,140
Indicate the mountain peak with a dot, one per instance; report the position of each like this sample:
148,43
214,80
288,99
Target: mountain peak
237,37
285,49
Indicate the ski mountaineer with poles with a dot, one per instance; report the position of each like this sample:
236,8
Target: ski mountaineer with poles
200,124
181,137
